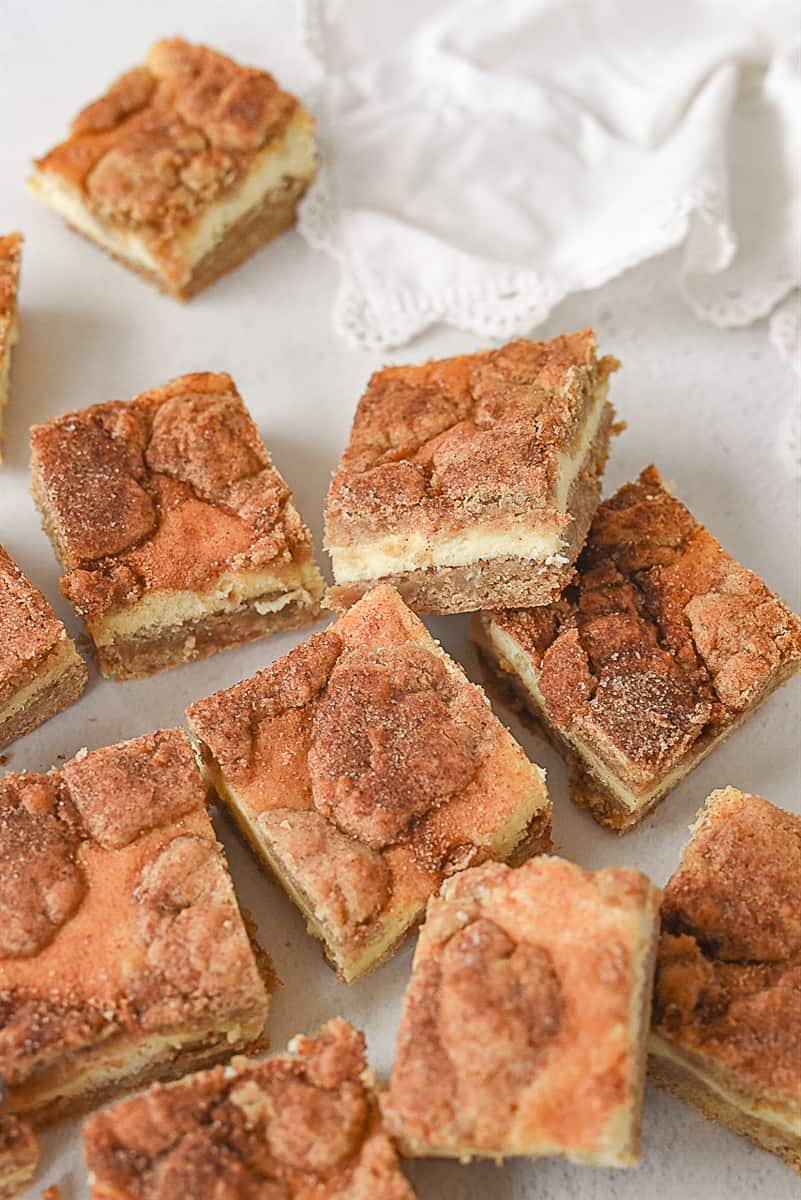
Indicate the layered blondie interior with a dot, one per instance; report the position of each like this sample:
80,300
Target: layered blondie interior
660,648
186,166
470,482
363,769
302,1124
525,1023
123,955
10,258
19,1155
726,1034
41,672
177,536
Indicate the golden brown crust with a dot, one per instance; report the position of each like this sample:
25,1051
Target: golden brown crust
304,1122
520,1029
501,580
167,492
29,629
706,1097
441,445
43,703
367,764
19,1154
185,641
729,965
663,641
118,918
10,261
34,647
169,139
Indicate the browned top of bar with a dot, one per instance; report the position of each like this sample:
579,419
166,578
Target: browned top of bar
662,636
117,915
10,259
448,440
729,965
29,629
170,137
167,491
301,1124
18,1146
364,756
519,1028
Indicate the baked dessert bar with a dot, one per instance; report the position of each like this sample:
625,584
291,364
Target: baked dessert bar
10,259
726,1033
363,768
657,652
185,167
525,1023
123,955
177,536
301,1124
19,1155
470,483
41,672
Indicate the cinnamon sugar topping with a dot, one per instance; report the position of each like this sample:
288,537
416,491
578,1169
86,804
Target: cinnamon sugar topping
300,1123
663,640
729,964
165,493
170,137
117,917
439,444
29,629
366,766
521,1026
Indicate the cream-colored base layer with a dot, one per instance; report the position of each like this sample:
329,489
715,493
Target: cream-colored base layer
391,554
294,156
167,609
67,656
781,1118
109,1067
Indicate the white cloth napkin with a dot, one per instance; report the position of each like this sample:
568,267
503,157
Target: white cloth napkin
484,158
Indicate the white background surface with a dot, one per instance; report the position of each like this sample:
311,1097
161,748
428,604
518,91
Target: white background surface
705,405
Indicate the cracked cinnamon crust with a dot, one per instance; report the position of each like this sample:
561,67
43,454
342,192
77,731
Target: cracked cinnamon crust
185,167
19,1154
10,260
726,1033
177,535
470,482
123,955
363,769
525,1022
41,672
660,648
302,1124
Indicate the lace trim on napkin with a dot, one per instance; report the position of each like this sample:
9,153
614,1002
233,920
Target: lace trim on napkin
497,301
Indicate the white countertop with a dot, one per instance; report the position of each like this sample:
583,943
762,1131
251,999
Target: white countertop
705,405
